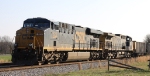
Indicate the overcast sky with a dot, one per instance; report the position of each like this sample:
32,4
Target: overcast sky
128,17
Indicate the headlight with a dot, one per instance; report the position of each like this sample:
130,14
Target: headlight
15,45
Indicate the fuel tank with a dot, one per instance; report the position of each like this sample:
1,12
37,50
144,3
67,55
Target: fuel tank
78,56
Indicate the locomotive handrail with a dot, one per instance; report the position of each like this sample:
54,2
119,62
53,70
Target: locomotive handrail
37,41
41,42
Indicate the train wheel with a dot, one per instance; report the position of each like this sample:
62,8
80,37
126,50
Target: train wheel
105,55
59,57
115,55
100,55
14,61
40,63
112,57
41,60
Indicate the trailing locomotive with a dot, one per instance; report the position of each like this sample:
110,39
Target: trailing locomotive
43,41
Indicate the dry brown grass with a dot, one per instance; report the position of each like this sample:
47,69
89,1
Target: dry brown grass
4,61
143,59
137,60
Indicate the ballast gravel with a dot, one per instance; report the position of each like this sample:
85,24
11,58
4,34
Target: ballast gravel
53,69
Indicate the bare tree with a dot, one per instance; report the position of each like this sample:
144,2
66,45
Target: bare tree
147,41
6,44
147,38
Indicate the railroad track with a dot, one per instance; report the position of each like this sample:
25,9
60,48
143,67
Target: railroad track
10,67
4,64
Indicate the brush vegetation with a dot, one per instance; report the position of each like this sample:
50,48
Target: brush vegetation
140,62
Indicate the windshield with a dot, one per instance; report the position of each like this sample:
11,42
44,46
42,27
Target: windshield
39,25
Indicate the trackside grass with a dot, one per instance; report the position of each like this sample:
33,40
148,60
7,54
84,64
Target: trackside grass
114,71
5,58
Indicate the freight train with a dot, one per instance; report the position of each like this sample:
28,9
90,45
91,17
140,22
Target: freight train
44,41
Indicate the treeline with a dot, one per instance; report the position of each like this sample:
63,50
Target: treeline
6,44
147,41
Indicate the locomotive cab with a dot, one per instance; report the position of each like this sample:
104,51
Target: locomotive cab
29,41
32,29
